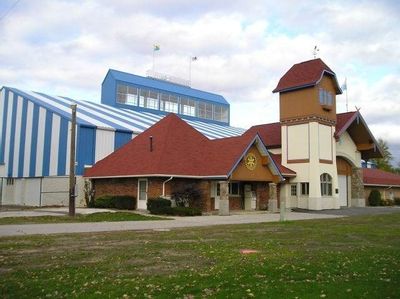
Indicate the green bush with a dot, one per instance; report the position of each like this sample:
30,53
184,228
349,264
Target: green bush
190,196
124,202
158,205
374,198
104,202
121,202
162,206
397,201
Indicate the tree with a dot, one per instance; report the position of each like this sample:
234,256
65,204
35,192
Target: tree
384,163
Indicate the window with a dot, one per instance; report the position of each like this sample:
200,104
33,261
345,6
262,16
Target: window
293,189
127,94
148,99
325,97
305,187
10,181
220,113
326,184
169,103
205,110
234,189
188,107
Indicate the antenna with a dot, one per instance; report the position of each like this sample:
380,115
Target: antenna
315,51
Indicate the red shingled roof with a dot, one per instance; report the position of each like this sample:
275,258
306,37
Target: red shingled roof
304,74
284,170
344,120
271,133
178,149
378,177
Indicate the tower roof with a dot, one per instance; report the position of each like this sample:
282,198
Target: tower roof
305,74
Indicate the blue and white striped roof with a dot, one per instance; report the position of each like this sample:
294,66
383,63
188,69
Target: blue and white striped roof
117,119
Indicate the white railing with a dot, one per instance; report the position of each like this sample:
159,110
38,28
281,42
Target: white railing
168,78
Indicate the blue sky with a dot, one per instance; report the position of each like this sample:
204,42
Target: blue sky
66,48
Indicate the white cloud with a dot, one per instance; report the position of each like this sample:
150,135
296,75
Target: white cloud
66,47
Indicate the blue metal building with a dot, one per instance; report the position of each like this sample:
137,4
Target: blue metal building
35,127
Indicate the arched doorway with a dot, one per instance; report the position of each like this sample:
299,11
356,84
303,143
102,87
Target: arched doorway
344,169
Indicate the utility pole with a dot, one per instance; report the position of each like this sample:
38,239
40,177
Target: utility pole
72,180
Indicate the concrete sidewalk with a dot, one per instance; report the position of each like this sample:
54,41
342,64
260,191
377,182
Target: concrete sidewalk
49,211
178,222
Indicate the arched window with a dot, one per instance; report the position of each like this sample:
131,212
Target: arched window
326,184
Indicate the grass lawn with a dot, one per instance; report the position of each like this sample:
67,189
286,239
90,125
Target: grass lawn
95,217
357,257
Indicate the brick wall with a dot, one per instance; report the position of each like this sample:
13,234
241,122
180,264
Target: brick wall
236,203
262,193
120,186
128,186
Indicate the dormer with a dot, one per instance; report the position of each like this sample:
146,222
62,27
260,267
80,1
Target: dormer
155,95
308,91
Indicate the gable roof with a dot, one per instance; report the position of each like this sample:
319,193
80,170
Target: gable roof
177,150
167,86
284,170
305,74
271,133
377,177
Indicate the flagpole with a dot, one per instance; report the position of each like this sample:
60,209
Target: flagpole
153,59
347,99
190,70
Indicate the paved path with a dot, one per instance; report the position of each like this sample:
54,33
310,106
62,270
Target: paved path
178,222
58,211
355,211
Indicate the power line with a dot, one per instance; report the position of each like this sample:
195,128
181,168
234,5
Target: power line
2,17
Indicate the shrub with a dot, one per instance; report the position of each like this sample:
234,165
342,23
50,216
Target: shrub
374,198
158,205
104,202
162,206
397,201
89,194
187,197
122,202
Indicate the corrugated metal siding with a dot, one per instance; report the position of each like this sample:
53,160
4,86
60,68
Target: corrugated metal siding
104,143
85,149
121,138
35,132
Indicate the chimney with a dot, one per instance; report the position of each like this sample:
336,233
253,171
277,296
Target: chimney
151,143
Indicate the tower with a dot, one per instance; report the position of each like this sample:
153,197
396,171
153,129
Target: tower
307,99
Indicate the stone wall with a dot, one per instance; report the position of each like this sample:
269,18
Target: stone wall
357,188
262,193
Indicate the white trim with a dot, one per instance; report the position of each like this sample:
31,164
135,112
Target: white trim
380,185
138,200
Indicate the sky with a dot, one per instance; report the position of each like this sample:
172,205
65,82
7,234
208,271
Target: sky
243,48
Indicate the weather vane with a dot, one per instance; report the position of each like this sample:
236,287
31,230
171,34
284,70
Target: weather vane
315,51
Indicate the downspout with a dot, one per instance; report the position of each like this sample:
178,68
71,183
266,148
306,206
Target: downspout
163,186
